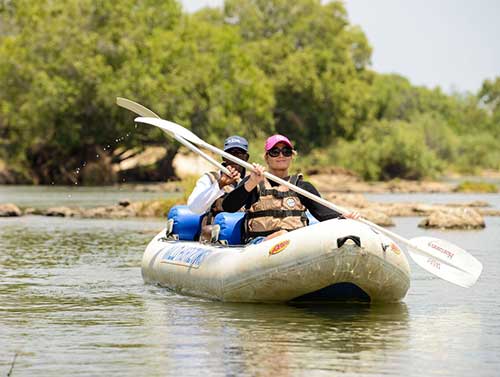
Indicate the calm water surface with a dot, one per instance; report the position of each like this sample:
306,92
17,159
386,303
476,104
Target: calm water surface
50,196
493,200
72,302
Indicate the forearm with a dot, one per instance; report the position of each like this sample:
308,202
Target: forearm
202,198
321,212
236,199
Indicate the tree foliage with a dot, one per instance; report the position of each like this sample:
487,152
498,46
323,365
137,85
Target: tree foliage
253,67
316,61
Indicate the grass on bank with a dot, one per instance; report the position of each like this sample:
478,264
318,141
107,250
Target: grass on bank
470,186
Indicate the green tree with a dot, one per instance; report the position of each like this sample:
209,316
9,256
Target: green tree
61,78
489,95
53,70
317,63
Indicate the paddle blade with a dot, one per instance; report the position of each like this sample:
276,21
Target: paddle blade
445,260
172,128
135,107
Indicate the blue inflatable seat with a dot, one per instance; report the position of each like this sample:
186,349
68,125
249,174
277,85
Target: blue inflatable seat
187,224
231,226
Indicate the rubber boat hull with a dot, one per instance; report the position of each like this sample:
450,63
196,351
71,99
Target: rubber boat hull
319,262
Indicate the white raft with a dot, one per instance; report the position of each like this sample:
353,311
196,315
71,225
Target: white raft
321,262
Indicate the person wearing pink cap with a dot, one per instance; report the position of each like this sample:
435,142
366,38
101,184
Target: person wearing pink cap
273,209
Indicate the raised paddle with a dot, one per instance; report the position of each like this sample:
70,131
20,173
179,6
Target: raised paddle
145,112
439,257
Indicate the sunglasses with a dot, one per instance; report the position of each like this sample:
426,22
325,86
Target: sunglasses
236,152
275,152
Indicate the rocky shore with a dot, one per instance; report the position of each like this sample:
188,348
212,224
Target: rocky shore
338,185
449,216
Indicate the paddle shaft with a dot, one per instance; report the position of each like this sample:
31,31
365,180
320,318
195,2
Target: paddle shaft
145,112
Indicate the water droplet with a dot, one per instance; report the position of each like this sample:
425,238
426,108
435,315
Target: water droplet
84,163
104,148
97,155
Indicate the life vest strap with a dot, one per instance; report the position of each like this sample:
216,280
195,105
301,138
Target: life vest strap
276,213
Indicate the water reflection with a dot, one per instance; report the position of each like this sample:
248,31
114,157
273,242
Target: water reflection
253,339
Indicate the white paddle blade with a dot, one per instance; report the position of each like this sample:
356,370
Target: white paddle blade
135,107
445,260
172,128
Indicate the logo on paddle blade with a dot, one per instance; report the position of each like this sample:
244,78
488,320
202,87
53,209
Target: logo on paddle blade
434,263
442,250
279,247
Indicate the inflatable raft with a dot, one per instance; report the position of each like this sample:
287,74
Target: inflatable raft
334,260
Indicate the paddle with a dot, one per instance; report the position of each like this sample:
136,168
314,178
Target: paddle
145,112
439,257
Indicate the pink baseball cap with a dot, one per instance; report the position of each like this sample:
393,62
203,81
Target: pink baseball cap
275,139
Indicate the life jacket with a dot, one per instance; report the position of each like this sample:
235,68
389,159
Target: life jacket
277,208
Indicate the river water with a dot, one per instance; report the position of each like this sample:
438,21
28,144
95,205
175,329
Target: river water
72,302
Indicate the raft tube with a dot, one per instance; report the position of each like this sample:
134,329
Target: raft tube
334,260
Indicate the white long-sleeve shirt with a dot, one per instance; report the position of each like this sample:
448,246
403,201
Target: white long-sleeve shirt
204,194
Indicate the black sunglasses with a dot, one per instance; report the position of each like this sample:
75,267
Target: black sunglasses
275,152
237,152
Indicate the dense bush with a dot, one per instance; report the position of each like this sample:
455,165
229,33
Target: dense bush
476,152
388,149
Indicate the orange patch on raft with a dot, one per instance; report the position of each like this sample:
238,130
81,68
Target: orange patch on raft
278,248
395,248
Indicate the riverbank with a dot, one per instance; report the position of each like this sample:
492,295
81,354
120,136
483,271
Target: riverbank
337,185
460,215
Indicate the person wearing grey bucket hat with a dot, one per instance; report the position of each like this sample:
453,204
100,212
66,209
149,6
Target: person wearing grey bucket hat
211,187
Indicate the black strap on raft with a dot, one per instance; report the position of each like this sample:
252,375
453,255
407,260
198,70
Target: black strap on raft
342,240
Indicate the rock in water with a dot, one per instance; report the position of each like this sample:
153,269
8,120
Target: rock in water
8,210
460,218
